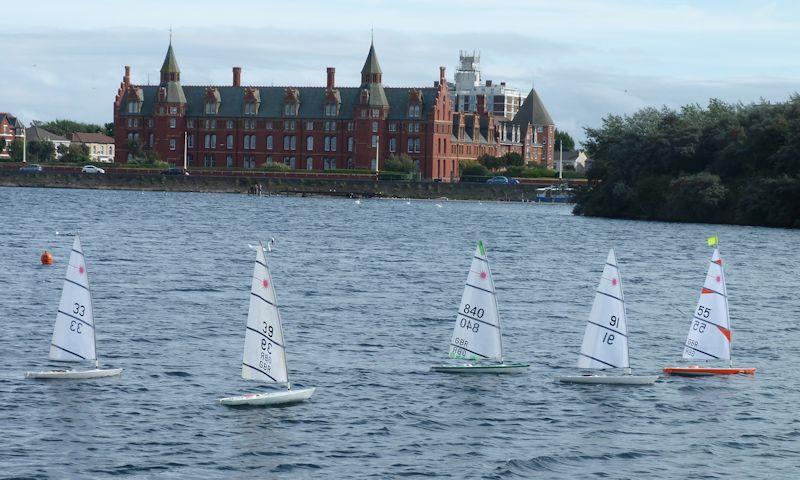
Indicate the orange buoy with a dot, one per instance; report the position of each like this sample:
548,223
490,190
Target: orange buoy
46,258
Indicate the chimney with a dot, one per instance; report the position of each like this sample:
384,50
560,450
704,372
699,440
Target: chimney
237,76
441,75
331,77
502,84
480,100
127,78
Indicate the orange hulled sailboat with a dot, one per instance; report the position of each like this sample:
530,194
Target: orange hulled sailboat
710,331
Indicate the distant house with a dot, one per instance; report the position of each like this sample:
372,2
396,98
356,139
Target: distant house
576,160
101,147
40,134
10,128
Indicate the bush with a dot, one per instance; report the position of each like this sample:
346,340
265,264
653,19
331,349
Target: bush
401,163
276,167
471,170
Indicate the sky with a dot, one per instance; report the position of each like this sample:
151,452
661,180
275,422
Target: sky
586,59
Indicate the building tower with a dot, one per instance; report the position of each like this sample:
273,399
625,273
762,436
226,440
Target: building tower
169,114
371,112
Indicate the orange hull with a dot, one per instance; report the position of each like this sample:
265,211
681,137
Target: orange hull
696,371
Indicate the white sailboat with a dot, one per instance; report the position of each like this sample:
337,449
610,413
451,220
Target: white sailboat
709,335
264,356
605,341
74,337
477,335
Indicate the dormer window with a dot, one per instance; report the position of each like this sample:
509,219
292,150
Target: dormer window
211,108
331,109
134,107
250,108
290,109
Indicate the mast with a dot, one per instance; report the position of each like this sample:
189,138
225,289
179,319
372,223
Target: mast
625,310
280,320
497,309
94,319
561,162
727,309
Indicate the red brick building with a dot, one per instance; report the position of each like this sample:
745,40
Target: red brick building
10,130
314,128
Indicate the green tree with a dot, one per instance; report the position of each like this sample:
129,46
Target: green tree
3,144
472,171
109,129
41,151
491,162
15,150
76,153
400,163
513,159
66,128
567,142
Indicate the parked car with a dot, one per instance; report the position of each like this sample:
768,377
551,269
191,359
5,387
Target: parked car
498,181
31,168
174,171
92,169
513,181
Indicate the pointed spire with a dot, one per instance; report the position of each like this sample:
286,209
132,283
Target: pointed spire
171,77
533,110
170,64
371,66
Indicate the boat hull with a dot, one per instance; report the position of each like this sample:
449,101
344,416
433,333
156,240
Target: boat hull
697,371
269,398
610,379
469,368
75,374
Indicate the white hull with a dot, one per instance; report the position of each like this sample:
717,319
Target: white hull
610,379
270,398
75,374
470,368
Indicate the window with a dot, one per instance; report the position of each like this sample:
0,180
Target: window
250,108
392,127
333,144
207,141
161,110
190,159
540,129
229,161
286,142
269,142
350,163
410,145
189,123
374,127
269,159
247,142
350,126
211,108
289,142
416,145
189,140
290,125
309,163
289,162
349,144
327,147
309,125
330,126
392,145
329,164
293,143
229,141
330,109
151,140
172,122
173,110
414,111
172,144
374,140
150,123
133,107
268,126
375,113
363,114
310,144
249,161
290,109
229,124
208,160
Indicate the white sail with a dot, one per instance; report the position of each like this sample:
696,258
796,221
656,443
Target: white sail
605,342
264,352
477,331
710,331
73,334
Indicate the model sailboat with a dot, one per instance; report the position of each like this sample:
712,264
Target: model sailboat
264,347
74,338
709,335
477,336
605,341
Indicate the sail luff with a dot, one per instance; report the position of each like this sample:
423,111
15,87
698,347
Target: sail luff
709,331
280,323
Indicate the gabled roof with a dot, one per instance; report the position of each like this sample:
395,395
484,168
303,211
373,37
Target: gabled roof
371,65
11,119
96,137
38,133
533,111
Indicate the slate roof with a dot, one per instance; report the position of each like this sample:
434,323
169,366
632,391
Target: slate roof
371,65
312,102
38,133
91,138
170,64
533,111
11,119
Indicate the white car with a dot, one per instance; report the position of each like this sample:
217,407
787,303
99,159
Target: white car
92,169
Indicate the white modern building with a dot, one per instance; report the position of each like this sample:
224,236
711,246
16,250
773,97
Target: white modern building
501,99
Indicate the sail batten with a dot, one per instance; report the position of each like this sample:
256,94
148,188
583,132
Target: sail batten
710,328
605,340
74,332
477,332
264,356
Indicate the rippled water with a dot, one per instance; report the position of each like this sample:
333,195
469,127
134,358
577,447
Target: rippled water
368,296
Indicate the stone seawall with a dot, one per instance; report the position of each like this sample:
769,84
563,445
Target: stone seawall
291,186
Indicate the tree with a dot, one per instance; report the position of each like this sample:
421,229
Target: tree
66,128
76,153
42,151
567,142
3,144
400,163
109,129
513,159
491,162
472,171
15,150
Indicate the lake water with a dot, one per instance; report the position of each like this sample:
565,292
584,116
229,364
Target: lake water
369,294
